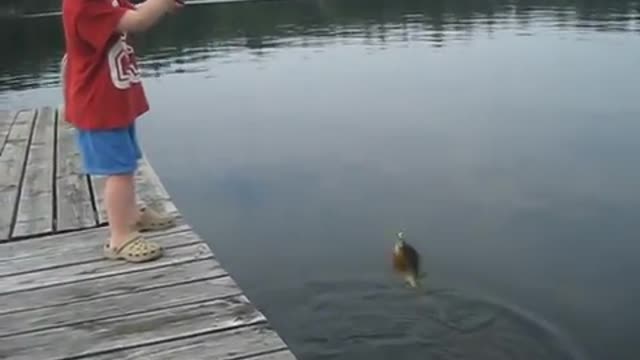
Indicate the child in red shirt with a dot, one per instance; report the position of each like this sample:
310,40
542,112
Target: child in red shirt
103,98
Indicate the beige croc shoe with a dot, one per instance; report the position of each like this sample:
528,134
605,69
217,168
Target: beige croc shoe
151,220
134,249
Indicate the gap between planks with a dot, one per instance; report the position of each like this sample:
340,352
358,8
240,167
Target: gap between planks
7,119
118,284
39,254
129,331
84,270
119,305
183,249
74,208
255,342
149,192
35,204
12,165
76,199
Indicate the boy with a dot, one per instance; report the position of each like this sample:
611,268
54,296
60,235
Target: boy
103,97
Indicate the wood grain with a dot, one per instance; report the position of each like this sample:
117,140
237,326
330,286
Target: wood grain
118,284
74,204
35,207
98,270
150,190
245,342
61,299
127,331
73,248
284,354
97,186
117,305
12,162
5,117
6,121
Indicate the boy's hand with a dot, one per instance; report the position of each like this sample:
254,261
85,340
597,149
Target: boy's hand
146,15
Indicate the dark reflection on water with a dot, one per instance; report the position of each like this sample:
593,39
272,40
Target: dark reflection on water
207,31
299,136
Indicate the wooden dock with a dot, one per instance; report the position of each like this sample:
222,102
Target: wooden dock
60,299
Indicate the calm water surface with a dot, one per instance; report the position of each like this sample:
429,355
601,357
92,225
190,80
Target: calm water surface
299,136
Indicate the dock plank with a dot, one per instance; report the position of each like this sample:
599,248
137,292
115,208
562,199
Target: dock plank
240,343
79,247
35,207
74,204
284,354
118,284
61,299
12,162
97,270
6,121
128,331
149,190
5,117
117,305
97,186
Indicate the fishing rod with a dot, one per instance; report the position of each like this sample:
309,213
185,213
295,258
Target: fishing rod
182,2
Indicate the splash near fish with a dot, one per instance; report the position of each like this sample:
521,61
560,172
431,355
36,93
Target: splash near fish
406,261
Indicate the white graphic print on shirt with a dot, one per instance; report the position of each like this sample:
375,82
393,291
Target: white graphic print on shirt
124,71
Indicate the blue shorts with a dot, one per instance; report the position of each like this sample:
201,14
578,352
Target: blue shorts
109,152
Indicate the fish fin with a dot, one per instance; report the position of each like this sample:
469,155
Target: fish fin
412,281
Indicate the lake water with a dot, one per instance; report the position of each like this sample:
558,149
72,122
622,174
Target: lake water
299,136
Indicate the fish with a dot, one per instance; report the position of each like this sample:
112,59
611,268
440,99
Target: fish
406,261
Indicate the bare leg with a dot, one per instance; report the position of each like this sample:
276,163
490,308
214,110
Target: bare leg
120,200
137,212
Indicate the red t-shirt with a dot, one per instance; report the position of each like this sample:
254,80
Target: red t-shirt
103,89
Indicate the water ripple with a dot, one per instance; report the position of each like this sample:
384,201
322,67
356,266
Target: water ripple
373,321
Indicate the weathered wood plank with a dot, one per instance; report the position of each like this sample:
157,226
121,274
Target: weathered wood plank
6,121
61,299
150,190
74,205
245,343
129,331
118,284
72,248
97,186
99,269
12,163
284,354
5,117
119,305
35,207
